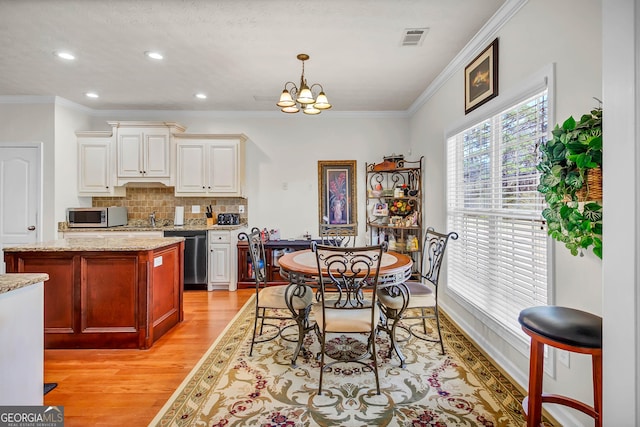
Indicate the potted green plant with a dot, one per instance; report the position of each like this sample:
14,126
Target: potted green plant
571,181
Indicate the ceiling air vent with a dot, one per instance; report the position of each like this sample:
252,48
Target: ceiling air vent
413,36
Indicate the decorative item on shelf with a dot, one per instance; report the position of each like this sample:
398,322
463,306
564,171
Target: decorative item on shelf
412,244
571,183
381,209
392,242
274,234
396,221
377,191
384,166
398,192
413,193
401,208
305,99
398,159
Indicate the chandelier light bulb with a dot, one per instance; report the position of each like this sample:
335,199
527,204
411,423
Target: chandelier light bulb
310,109
285,100
291,109
322,103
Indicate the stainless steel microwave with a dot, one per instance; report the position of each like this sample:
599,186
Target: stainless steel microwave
96,217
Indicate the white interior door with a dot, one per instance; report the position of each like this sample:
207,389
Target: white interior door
20,202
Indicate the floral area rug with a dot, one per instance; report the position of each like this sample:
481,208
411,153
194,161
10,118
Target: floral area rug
230,388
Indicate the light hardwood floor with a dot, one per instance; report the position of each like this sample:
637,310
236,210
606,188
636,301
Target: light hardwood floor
128,387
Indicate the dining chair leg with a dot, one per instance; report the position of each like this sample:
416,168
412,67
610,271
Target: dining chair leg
255,328
424,321
374,356
394,344
435,309
321,364
302,320
262,314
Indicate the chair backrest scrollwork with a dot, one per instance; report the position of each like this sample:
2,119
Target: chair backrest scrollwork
347,272
338,234
257,255
433,253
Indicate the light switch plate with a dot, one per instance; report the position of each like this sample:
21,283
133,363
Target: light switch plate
195,209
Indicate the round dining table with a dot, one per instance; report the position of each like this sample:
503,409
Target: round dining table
301,268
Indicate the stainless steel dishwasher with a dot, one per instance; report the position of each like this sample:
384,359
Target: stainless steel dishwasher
195,257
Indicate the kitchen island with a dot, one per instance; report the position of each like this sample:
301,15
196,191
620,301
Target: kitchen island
106,292
21,352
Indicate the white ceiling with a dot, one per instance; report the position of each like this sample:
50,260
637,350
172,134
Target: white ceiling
239,52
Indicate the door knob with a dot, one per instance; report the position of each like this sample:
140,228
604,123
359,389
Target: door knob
31,227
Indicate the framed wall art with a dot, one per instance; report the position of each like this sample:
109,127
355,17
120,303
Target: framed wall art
481,78
337,192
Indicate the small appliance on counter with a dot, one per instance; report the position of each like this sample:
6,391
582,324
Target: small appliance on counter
228,219
96,217
179,216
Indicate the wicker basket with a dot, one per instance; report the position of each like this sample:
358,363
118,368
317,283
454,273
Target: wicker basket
592,189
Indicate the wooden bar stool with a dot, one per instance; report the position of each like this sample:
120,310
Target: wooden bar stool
567,329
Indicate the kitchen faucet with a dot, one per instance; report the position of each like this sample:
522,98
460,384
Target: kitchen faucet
152,219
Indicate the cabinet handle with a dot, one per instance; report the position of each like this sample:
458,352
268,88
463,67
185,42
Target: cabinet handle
107,187
31,227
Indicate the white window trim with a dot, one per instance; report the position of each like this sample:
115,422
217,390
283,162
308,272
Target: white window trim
535,83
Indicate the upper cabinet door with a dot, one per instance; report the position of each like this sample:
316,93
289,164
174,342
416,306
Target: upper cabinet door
223,168
210,165
191,168
130,144
146,151
96,168
156,157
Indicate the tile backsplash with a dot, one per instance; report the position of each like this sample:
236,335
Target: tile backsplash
141,201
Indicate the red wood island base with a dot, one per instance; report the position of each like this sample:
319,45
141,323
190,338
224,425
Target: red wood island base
106,292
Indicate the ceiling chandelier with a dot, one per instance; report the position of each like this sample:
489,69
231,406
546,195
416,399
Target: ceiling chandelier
294,98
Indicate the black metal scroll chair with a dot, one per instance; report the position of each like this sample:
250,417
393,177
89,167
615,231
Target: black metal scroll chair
338,234
348,307
416,300
276,303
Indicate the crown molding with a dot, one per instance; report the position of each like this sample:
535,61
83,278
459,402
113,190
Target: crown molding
271,115
482,38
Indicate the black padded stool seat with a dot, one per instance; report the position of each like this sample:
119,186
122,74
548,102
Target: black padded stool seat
567,329
564,325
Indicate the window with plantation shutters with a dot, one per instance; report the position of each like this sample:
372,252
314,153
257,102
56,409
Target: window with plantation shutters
498,266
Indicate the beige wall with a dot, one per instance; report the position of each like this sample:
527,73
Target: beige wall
575,50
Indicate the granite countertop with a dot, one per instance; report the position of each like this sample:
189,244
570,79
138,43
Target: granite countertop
13,281
146,227
117,244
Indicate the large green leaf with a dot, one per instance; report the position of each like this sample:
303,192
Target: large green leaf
595,143
574,180
569,124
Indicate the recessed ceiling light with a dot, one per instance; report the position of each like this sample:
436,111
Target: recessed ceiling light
200,96
154,55
65,55
92,95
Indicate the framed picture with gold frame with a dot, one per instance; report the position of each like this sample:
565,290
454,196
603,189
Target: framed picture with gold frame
337,192
481,78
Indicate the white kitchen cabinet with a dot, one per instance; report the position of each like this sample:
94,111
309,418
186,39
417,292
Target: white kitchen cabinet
222,259
145,151
96,168
210,165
